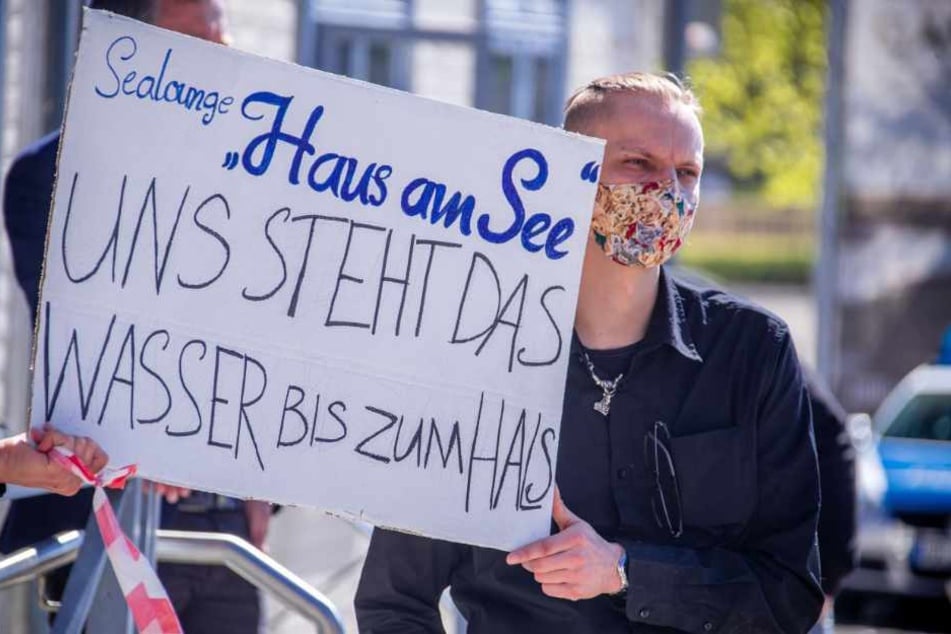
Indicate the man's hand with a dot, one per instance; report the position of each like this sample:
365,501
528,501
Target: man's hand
27,465
259,516
574,564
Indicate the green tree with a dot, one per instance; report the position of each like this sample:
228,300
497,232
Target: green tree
763,96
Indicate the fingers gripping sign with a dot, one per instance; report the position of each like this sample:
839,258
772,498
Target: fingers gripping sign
258,514
575,563
170,492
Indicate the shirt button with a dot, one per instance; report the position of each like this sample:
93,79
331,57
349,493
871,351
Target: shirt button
708,627
644,613
622,473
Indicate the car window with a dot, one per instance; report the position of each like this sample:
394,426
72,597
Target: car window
925,417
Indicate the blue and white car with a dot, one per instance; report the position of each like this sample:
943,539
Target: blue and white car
904,482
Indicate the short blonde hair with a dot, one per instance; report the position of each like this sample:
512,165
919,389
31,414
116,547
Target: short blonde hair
587,102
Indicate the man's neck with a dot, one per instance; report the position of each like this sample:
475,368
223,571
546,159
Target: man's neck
615,302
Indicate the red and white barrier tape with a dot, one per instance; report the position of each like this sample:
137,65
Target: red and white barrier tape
151,608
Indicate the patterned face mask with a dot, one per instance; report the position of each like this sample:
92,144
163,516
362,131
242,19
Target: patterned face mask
642,223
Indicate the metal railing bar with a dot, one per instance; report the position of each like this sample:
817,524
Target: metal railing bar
186,547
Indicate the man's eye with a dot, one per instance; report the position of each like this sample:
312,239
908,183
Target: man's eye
687,173
636,162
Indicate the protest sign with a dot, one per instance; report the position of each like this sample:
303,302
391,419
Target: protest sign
277,283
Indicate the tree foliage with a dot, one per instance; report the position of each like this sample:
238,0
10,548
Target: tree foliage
763,95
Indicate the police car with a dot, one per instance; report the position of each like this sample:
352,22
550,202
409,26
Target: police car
904,482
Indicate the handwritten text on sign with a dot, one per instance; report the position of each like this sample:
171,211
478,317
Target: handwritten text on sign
277,283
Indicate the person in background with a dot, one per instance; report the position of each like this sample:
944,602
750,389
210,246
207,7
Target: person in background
208,599
28,464
837,516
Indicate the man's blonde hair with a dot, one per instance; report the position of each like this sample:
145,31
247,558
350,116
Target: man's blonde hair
588,102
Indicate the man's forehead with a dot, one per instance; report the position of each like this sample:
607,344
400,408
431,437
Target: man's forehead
650,124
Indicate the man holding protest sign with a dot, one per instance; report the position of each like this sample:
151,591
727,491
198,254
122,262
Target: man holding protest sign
206,597
688,484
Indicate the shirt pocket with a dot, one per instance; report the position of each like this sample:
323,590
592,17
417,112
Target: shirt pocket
715,477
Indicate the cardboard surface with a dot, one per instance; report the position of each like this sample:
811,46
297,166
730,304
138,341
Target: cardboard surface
277,283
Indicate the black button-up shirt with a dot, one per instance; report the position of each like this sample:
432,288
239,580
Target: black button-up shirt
715,386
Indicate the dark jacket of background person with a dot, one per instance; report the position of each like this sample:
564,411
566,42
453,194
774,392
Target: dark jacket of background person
836,456
837,515
26,203
27,199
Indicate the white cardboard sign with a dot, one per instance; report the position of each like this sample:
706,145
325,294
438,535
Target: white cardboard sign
278,283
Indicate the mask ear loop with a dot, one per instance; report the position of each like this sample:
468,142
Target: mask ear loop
602,197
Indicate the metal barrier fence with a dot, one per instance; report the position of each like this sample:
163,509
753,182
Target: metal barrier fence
185,547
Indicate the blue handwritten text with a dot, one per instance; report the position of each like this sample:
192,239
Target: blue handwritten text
155,87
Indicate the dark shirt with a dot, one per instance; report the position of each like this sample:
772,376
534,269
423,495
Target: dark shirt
610,364
837,519
722,376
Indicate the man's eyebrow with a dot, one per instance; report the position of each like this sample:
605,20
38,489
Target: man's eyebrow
633,149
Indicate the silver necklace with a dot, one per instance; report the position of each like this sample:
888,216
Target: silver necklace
608,388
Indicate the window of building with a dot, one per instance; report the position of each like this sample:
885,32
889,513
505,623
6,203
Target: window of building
373,58
518,48
524,61
362,39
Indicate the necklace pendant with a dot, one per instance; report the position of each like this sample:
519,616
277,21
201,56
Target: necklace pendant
603,406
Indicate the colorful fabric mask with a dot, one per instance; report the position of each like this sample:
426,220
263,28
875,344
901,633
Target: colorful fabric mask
642,223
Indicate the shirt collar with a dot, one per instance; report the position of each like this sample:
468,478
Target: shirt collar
668,323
